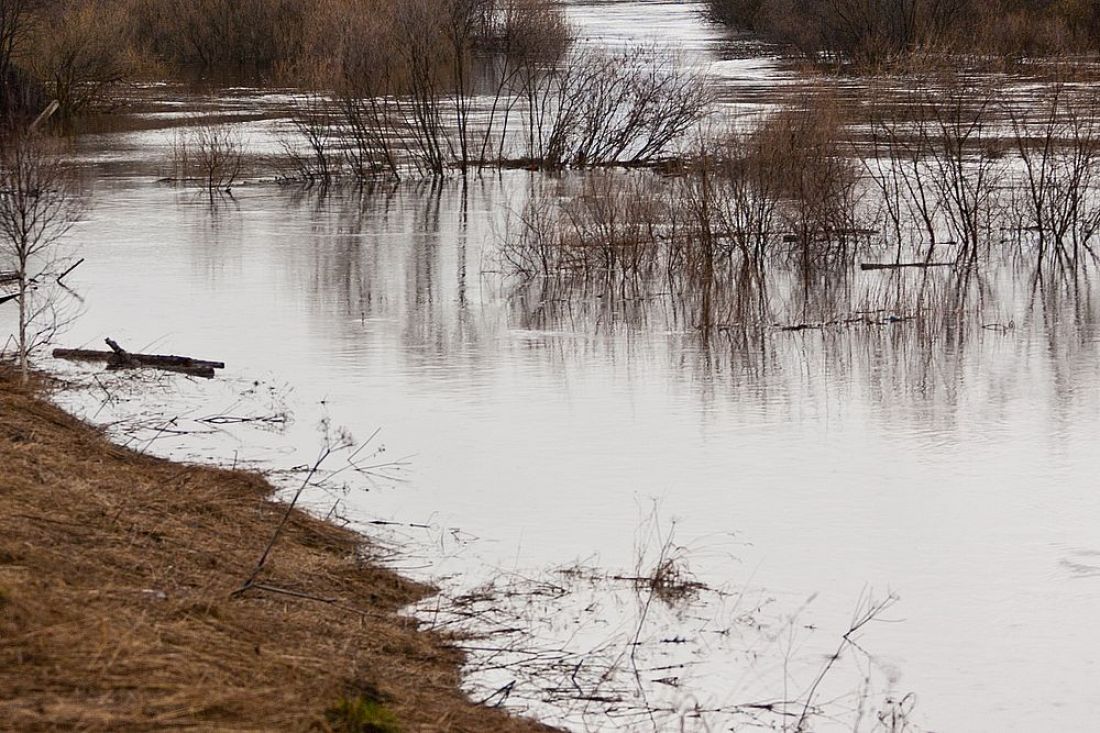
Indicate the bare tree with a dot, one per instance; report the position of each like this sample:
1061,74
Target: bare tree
39,202
17,20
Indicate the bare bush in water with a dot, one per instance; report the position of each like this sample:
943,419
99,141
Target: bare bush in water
313,153
405,76
39,203
1056,204
81,51
878,34
939,174
600,107
803,146
209,153
782,190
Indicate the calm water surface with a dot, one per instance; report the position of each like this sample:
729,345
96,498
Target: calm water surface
801,472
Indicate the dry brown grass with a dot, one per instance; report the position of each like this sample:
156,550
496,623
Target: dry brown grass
115,610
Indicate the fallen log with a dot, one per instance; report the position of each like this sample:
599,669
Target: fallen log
900,265
8,277
119,358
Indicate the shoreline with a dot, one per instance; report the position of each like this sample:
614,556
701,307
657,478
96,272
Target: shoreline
116,608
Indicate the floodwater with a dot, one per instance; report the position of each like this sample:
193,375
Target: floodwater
549,446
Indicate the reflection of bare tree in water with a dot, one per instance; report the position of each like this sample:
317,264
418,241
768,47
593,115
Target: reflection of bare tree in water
753,244
395,253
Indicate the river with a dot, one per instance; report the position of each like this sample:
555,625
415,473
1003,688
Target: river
544,447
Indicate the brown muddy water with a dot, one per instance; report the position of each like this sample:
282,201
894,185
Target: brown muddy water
538,449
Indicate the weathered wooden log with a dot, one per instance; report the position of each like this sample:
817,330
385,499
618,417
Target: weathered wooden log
8,277
193,371
82,354
901,265
119,358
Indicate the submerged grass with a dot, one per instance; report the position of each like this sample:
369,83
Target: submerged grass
116,573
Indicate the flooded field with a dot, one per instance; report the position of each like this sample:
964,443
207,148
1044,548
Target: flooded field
543,453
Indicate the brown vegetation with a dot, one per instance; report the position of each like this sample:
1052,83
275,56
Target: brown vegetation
75,50
116,574
949,172
872,32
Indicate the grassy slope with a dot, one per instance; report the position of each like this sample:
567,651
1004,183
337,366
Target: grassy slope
115,609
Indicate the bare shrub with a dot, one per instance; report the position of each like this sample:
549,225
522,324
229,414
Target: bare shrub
939,172
404,85
726,214
872,34
209,153
1057,202
601,107
18,19
965,158
220,34
803,148
317,159
524,28
39,203
82,49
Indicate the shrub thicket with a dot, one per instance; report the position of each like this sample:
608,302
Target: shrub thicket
75,50
875,31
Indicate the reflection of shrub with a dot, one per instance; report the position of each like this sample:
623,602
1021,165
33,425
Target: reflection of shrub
609,229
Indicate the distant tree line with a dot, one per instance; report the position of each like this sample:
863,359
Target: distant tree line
75,51
874,31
